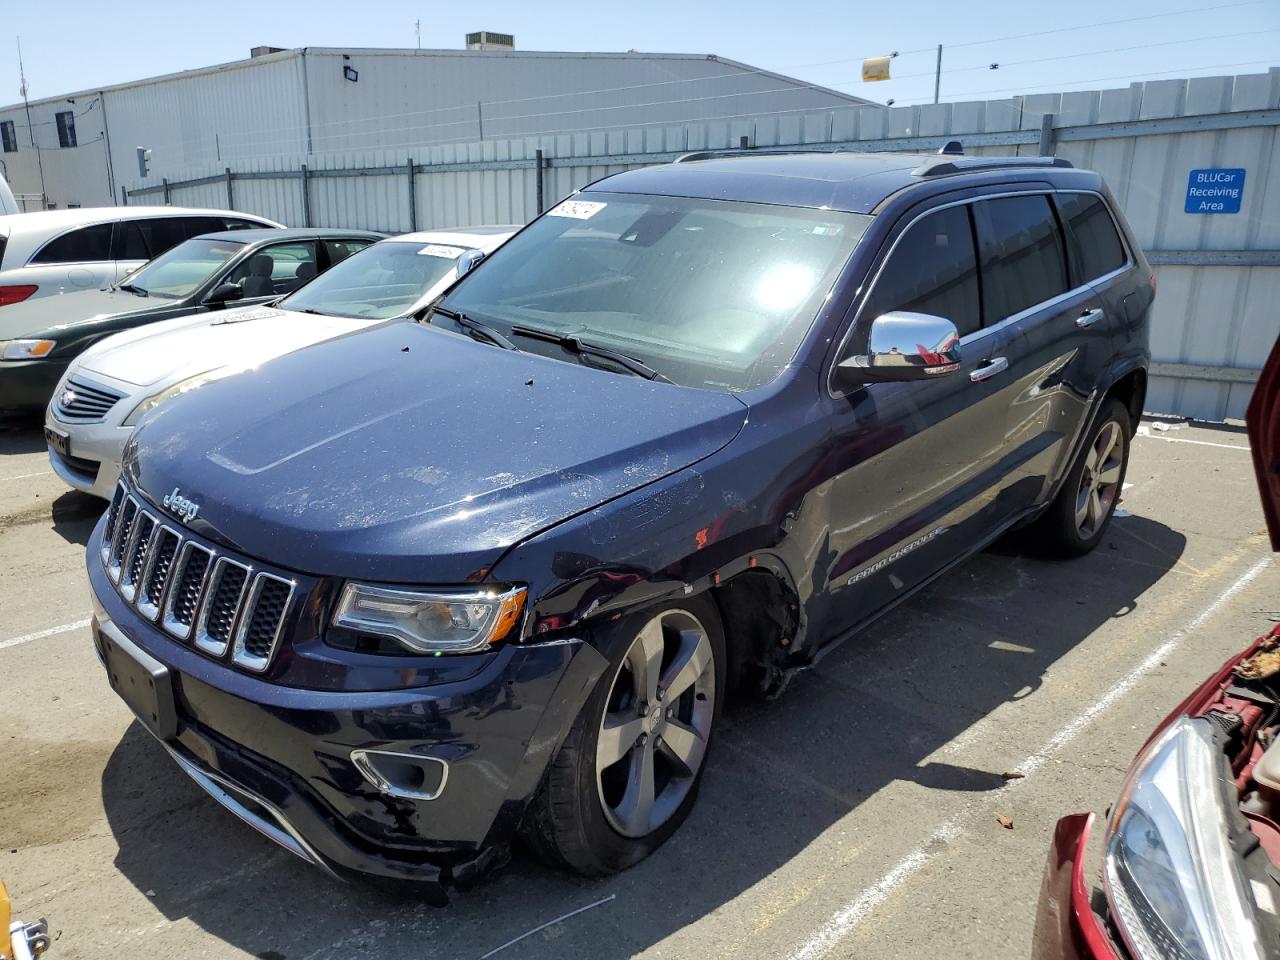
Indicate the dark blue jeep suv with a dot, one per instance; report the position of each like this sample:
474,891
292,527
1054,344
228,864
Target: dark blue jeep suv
398,598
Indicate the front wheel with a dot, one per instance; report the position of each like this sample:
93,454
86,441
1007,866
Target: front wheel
628,772
1082,511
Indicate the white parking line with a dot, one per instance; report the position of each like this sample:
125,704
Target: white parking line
1199,443
848,917
41,634
28,476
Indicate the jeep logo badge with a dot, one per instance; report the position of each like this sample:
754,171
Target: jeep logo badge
180,505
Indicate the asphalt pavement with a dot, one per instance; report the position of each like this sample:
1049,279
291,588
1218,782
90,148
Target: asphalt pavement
859,815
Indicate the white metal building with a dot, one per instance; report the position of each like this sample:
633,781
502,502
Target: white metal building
325,101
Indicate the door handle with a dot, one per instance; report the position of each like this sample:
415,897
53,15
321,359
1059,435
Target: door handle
1089,318
989,369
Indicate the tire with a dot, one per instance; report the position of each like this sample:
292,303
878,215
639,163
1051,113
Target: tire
590,814
1080,514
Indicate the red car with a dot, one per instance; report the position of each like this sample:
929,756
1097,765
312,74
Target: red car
1192,867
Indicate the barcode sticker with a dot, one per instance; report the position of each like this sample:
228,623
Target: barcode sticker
577,209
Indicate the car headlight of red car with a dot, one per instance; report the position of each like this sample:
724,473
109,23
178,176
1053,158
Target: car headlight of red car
1174,883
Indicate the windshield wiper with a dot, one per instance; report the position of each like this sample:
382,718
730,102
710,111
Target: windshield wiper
583,348
476,328
134,288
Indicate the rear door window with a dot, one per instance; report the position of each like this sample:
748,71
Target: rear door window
1021,253
279,268
85,245
1093,244
339,250
129,242
932,269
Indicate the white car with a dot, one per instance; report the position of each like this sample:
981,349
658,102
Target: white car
64,251
131,373
7,202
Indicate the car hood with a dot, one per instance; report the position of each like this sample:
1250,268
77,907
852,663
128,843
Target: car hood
173,350
49,314
413,455
1263,421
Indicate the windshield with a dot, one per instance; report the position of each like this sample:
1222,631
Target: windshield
384,280
708,293
180,271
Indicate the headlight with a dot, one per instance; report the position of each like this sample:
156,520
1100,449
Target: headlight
1175,885
26,349
179,388
432,621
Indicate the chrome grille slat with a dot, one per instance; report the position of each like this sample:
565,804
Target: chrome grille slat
222,601
184,595
121,536
89,402
261,621
221,605
135,554
155,578
112,512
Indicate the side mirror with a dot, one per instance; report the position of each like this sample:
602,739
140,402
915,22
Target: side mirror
905,346
468,260
225,293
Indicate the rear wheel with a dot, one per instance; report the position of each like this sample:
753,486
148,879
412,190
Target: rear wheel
628,772
1082,511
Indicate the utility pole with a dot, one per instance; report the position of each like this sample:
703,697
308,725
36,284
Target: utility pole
417,29
31,131
937,75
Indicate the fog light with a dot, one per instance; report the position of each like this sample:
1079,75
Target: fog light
405,775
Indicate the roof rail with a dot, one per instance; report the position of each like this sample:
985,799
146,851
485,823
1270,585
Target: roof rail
746,152
945,164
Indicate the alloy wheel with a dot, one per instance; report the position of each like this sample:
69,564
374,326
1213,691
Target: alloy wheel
1100,480
656,723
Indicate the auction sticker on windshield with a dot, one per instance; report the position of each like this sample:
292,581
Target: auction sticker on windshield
436,250
577,209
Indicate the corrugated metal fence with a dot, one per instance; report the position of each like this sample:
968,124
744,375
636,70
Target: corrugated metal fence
1215,317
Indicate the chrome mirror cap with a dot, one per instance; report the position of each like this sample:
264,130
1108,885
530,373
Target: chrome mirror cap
905,346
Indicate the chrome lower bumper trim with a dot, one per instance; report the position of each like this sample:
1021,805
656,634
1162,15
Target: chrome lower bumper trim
233,797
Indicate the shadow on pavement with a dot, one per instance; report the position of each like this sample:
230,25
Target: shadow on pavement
75,514
779,776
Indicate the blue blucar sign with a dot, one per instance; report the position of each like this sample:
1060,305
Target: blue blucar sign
1215,190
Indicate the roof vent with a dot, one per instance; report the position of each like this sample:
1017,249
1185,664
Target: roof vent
488,40
952,148
263,51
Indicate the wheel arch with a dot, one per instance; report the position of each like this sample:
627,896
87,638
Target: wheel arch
1130,388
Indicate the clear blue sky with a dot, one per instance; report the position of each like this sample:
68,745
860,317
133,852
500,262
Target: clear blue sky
71,45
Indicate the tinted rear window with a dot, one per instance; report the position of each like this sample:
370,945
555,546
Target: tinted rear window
933,270
1093,242
85,245
1020,249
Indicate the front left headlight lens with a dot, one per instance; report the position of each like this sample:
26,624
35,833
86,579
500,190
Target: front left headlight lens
432,621
1175,885
25,349
176,390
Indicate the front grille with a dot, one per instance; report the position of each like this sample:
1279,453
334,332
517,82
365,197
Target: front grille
85,402
151,589
199,594
120,539
256,640
220,608
135,555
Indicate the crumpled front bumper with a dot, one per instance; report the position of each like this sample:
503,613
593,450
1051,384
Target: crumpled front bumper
279,757
1066,926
